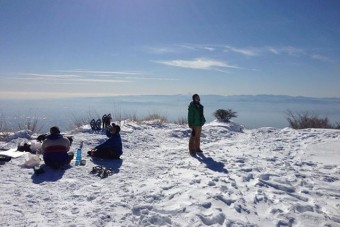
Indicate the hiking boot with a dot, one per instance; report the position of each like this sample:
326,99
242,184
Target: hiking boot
192,153
39,169
5,158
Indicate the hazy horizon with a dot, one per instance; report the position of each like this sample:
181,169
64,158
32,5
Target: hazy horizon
51,97
252,111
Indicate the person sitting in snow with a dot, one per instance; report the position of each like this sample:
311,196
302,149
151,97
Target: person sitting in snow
55,149
111,148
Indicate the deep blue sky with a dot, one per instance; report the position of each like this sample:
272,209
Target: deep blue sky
226,47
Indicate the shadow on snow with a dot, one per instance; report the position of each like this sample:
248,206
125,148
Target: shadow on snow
211,163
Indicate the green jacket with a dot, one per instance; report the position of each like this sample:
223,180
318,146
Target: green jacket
195,115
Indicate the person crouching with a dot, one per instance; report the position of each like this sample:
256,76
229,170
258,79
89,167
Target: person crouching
55,149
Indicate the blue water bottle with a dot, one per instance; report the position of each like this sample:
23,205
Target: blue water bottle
78,157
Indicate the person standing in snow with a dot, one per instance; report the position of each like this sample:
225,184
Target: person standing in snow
195,120
111,148
55,149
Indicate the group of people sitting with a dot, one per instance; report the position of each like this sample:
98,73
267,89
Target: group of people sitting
56,147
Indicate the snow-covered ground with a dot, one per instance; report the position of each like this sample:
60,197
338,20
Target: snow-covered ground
258,177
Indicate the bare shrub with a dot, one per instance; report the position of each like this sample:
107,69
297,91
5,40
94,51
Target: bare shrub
131,117
4,131
31,124
306,120
80,121
337,125
2,124
119,117
181,121
155,116
224,115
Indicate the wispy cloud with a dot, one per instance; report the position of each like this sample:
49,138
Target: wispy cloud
208,49
321,58
91,80
180,48
289,50
88,76
103,72
163,50
65,78
128,75
197,47
257,51
243,51
199,63
210,63
55,76
285,50
153,78
54,94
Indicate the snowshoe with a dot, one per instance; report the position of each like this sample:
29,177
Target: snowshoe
106,172
109,118
93,124
96,170
101,171
104,120
98,125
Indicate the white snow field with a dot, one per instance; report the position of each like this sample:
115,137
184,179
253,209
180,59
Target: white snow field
245,177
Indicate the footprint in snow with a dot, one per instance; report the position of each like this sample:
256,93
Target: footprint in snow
212,219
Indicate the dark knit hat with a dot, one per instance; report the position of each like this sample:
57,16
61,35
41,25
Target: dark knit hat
194,96
54,130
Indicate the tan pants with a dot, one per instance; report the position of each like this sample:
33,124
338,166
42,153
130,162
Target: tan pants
195,140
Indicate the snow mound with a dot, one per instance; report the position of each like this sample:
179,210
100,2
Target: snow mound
19,135
230,126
